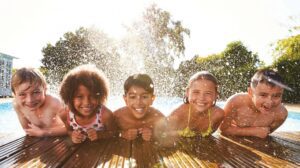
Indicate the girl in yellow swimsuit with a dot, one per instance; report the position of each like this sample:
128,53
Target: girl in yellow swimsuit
199,114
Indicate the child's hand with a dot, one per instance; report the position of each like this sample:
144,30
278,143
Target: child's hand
146,133
129,134
34,130
263,132
92,134
77,137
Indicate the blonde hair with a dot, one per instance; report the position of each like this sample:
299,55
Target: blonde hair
31,75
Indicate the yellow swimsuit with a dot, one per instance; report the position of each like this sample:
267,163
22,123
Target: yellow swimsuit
187,132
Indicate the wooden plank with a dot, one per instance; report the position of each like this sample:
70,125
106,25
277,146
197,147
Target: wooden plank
270,152
13,147
144,153
37,154
116,154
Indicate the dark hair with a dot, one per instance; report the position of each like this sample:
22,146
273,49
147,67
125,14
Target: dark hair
142,80
199,76
266,76
90,77
31,75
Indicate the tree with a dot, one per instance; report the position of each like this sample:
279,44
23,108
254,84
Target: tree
233,68
159,40
287,52
82,47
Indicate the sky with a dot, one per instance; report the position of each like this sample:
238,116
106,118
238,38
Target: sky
28,25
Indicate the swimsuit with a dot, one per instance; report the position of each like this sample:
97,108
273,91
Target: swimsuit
187,132
96,124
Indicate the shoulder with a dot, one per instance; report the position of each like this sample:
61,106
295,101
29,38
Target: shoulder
121,111
218,112
281,113
180,110
237,100
156,112
53,102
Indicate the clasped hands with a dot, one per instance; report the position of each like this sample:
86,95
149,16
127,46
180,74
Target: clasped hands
132,134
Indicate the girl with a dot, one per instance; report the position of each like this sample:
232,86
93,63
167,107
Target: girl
84,90
199,113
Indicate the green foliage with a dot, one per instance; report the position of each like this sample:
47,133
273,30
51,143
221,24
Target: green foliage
82,47
288,66
233,68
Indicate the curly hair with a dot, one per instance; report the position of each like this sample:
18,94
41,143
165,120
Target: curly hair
90,77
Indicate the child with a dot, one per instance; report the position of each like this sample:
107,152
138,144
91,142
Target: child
37,111
85,89
137,117
198,114
258,112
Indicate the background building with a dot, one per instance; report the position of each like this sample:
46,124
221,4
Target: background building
6,62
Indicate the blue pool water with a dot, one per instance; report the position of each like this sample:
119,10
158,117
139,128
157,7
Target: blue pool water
10,127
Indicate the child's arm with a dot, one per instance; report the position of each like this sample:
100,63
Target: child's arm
23,121
280,117
229,126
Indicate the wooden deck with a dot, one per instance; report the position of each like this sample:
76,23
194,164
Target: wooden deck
279,150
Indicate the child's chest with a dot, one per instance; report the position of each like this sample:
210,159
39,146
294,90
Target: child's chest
248,117
130,123
40,119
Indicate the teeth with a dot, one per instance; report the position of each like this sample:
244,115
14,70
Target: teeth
139,110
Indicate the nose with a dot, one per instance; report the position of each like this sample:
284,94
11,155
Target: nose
87,100
29,98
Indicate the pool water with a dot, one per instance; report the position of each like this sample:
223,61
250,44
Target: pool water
11,128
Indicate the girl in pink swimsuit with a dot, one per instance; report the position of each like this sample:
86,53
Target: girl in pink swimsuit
84,90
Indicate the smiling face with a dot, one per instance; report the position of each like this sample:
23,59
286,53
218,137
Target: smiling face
265,97
30,96
202,94
138,100
84,102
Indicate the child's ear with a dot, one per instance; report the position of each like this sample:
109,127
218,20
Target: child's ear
250,91
125,99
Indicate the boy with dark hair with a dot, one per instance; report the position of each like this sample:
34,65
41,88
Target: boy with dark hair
258,112
138,117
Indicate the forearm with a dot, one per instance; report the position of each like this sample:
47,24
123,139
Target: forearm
55,131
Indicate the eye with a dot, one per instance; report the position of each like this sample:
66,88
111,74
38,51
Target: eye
21,94
146,96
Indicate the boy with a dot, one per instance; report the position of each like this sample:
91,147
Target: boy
36,110
137,117
258,112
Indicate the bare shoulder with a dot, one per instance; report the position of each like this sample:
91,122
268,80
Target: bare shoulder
282,113
218,112
121,112
106,112
53,102
236,99
180,110
156,112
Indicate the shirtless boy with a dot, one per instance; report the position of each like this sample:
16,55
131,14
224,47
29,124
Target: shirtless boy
137,117
258,112
37,111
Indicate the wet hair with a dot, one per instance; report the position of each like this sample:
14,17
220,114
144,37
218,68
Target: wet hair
266,76
141,80
31,75
90,77
200,76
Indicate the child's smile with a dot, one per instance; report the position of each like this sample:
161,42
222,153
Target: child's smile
139,101
84,102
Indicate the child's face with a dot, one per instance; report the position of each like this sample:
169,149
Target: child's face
85,102
265,97
138,100
30,96
202,94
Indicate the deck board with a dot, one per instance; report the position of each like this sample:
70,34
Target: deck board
281,149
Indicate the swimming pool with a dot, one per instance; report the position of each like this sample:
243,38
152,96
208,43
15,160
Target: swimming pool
10,127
